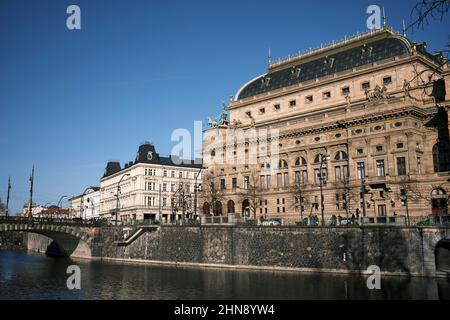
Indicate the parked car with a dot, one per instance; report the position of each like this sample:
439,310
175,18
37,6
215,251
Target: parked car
274,222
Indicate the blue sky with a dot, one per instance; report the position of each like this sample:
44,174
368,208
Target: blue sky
72,100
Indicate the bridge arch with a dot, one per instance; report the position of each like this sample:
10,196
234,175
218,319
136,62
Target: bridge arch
53,239
442,255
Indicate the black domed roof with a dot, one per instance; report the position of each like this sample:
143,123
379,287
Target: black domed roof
346,59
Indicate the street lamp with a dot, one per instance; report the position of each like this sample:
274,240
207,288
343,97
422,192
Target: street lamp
195,191
117,194
322,160
59,203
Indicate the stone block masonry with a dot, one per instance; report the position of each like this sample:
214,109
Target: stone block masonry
396,250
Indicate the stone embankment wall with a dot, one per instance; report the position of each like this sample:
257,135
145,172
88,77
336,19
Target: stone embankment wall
395,250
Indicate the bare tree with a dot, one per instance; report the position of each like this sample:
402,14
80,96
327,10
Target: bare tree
182,198
426,9
422,12
299,193
252,192
211,190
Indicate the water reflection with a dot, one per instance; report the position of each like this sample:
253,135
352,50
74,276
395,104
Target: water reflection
28,276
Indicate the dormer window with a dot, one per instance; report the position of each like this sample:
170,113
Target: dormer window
366,52
295,72
387,81
265,82
292,103
326,95
328,63
365,85
309,99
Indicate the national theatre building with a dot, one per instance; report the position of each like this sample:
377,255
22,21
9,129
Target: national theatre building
362,126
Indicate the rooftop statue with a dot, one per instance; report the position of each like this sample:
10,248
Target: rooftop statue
220,120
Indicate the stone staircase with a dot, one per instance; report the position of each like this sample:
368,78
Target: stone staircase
135,235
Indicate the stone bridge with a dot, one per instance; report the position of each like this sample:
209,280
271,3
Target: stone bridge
60,237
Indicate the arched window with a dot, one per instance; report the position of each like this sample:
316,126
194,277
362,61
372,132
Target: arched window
439,201
300,161
441,159
218,209
340,155
438,192
206,208
318,158
230,206
283,164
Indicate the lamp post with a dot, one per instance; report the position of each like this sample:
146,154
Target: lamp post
322,160
117,194
59,203
195,191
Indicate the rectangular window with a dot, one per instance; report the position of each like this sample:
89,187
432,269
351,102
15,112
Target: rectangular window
279,181
380,168
276,107
345,91
180,174
337,173
326,95
419,165
399,145
164,204
268,182
222,184
309,99
401,166
173,174
382,210
346,172
286,180
361,168
297,177
387,81
262,110
234,183
165,173
172,187
246,182
316,176
305,176
262,182
164,186
292,103
365,85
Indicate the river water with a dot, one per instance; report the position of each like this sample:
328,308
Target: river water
32,276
